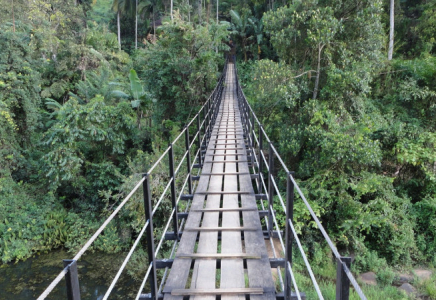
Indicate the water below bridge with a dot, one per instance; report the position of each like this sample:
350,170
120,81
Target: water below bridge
27,279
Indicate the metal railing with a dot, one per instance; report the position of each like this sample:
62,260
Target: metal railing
267,189
180,171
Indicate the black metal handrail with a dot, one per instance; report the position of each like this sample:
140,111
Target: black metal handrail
261,164
203,123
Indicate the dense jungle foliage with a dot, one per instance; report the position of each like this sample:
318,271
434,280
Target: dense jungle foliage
90,95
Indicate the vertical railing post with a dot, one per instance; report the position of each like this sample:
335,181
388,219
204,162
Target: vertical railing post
204,126
244,119
260,180
72,279
200,156
208,114
251,126
270,188
149,233
342,281
188,159
247,120
252,138
173,190
289,237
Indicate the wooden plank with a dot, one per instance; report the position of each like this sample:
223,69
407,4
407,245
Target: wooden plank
205,292
259,271
225,209
226,173
218,255
223,229
180,269
235,156
224,192
204,272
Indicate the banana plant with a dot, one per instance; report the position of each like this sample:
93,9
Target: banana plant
140,99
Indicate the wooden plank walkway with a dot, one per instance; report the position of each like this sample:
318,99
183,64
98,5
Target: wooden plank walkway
224,202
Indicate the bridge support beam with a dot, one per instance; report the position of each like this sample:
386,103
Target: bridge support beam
289,238
72,279
342,281
150,239
270,188
293,296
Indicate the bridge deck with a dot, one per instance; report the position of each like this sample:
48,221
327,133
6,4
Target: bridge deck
224,205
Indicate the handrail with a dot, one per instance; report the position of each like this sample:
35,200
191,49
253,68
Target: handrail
201,138
261,164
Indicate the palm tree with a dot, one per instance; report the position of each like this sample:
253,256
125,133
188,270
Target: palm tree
240,28
118,6
258,31
391,29
128,7
149,6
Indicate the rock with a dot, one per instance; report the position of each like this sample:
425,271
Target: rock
422,274
368,278
404,278
408,288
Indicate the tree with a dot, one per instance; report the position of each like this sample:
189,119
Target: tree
119,6
240,28
257,26
149,6
140,99
391,29
176,69
86,144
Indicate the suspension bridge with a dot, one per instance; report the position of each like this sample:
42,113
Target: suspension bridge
222,188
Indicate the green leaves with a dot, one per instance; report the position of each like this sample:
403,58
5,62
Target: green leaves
136,87
419,151
181,69
83,134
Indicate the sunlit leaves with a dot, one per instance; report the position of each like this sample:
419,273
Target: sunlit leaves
420,151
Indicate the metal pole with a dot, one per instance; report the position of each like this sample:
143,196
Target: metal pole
252,138
260,188
188,159
173,190
150,239
207,124
289,239
200,161
342,281
72,279
270,188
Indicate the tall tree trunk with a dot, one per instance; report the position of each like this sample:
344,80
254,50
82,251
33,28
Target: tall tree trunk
208,11
136,25
119,30
199,10
318,71
154,25
171,8
391,31
13,16
217,6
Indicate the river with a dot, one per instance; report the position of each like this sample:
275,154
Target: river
26,280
